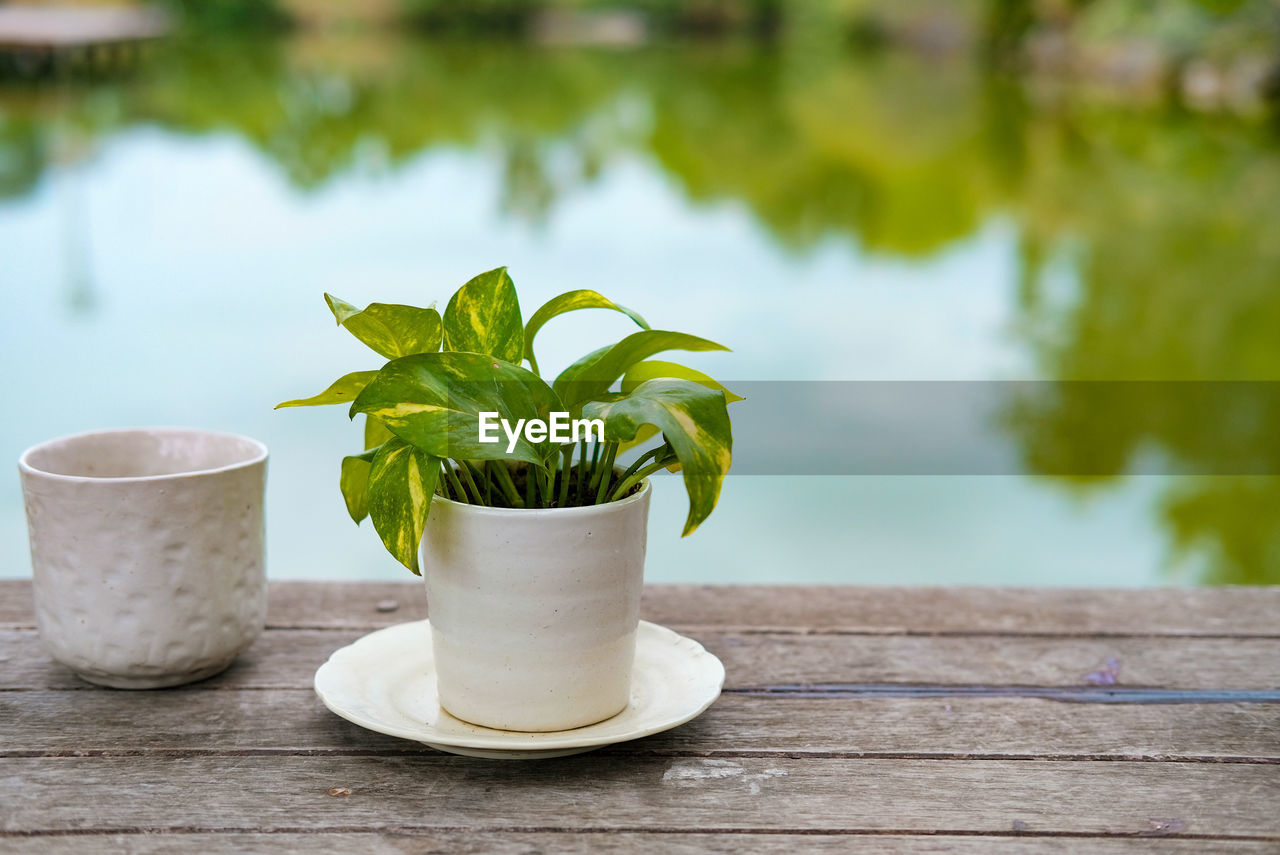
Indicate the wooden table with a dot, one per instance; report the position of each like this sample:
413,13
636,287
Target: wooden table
877,719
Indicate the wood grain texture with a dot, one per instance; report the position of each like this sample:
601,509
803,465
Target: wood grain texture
598,791
1228,611
294,721
827,740
288,659
569,843
17,608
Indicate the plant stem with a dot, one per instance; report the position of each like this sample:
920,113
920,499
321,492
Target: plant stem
565,472
637,477
471,481
547,485
593,472
505,482
528,487
500,497
599,462
452,476
651,454
606,471
582,474
493,498
443,484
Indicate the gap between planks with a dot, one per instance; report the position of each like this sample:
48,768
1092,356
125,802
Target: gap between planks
646,831
886,691
1064,694
735,629
675,843
620,750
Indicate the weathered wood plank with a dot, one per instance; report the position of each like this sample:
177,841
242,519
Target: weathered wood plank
290,793
283,721
288,659
569,843
17,608
1156,611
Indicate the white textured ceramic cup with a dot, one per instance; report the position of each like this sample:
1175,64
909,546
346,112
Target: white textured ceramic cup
147,552
534,612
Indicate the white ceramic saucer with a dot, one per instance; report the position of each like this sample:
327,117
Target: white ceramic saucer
386,682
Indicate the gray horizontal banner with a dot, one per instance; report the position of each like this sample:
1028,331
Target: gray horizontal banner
1083,429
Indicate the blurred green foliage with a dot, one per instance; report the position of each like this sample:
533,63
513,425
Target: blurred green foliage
1002,26
235,16
1150,247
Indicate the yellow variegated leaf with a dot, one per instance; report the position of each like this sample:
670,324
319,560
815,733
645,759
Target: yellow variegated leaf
402,480
483,316
343,391
568,302
425,405
652,369
354,483
693,419
597,371
375,432
390,329
643,435
434,401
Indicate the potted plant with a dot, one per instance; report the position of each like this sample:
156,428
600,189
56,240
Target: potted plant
531,533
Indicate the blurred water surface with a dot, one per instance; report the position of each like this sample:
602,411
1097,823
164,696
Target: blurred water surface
165,239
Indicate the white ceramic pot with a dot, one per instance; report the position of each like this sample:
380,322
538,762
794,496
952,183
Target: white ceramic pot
147,552
534,612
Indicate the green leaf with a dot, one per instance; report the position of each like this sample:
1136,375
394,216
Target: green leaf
343,391
402,480
434,400
390,329
652,369
646,433
483,316
596,372
375,432
568,302
695,422
354,483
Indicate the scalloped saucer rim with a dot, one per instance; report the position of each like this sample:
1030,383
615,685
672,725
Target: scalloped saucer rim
385,682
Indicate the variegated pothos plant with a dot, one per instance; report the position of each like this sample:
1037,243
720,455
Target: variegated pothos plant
422,411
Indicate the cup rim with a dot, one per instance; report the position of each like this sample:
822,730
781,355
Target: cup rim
259,455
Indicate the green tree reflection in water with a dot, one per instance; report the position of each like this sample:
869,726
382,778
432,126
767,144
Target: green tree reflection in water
1177,280
1161,225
